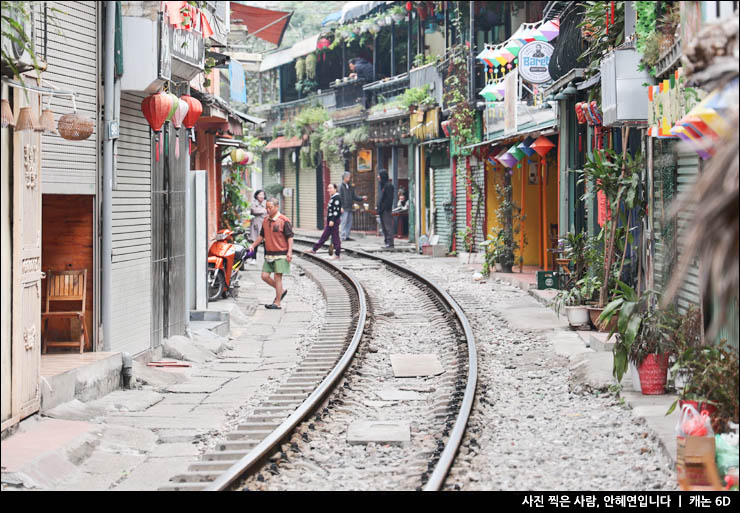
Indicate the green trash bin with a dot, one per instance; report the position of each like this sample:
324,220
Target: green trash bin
547,280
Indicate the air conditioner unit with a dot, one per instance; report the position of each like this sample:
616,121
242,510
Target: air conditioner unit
624,98
16,51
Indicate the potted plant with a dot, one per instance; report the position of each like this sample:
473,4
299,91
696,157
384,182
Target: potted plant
646,336
572,301
398,13
494,248
709,373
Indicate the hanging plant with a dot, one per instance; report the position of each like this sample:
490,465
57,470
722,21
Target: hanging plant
311,66
462,117
356,136
300,69
306,161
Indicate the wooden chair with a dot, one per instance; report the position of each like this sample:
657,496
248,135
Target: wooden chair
65,286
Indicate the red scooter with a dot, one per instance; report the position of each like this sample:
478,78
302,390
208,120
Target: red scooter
225,258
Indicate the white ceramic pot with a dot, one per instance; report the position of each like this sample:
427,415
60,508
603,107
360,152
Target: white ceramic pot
577,315
632,370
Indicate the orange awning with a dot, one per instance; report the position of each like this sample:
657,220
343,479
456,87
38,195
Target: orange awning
282,142
263,23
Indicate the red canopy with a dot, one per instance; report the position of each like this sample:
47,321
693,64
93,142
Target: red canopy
282,142
263,23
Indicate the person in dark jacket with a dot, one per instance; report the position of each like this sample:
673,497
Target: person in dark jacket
361,69
348,196
333,213
385,207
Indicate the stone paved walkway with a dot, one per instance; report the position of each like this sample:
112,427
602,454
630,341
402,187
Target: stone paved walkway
137,439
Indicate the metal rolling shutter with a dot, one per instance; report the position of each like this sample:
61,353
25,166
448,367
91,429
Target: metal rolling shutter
336,170
687,170
70,167
461,209
307,198
289,203
664,228
132,233
442,198
480,219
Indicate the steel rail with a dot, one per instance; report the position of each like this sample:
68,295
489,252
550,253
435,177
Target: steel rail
441,469
264,448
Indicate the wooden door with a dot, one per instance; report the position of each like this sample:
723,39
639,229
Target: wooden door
26,355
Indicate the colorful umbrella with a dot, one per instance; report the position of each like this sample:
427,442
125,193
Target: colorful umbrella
542,145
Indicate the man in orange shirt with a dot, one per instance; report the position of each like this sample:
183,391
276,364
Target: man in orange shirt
277,232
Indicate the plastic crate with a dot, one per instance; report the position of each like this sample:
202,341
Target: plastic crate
547,280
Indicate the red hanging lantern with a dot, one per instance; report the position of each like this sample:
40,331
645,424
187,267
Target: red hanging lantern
542,145
156,108
321,45
409,6
195,109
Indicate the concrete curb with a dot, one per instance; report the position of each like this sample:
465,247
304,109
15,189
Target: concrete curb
85,383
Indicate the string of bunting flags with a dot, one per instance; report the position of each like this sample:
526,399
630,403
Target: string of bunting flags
702,126
502,57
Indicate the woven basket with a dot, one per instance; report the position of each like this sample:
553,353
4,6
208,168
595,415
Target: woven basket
75,127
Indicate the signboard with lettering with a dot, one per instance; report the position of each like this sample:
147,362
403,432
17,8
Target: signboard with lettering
534,60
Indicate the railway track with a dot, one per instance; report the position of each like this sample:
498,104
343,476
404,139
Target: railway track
349,314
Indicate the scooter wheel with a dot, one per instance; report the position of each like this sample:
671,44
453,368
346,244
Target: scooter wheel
216,285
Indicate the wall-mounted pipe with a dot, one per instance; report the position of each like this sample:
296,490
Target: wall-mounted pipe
108,113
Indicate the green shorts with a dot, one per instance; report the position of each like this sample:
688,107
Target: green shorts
279,266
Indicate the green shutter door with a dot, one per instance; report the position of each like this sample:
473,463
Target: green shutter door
686,173
307,194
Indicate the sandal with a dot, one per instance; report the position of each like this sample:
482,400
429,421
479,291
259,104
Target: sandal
273,306
283,296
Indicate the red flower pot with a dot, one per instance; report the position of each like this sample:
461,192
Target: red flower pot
699,405
653,373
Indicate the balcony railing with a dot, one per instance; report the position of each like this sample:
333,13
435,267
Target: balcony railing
383,90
